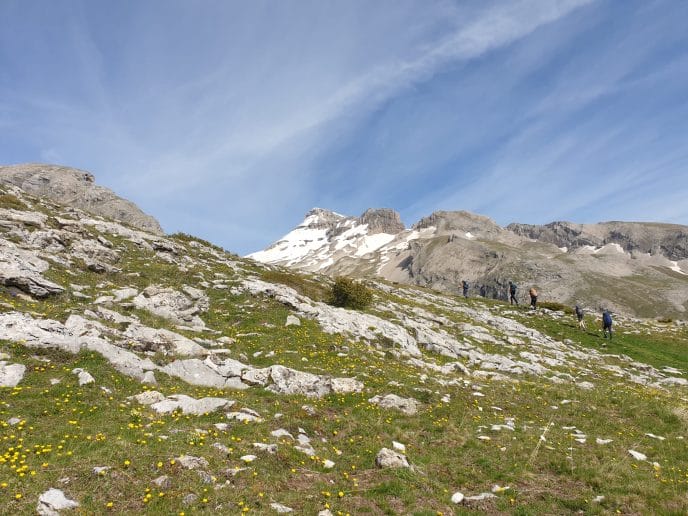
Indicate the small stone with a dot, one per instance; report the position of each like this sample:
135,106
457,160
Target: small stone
399,447
190,499
191,462
387,458
84,376
281,509
637,455
281,432
292,320
221,447
270,448
248,458
308,409
100,470
205,477
162,482
457,497
328,464
13,421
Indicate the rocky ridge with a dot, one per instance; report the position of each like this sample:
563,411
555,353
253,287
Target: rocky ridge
77,188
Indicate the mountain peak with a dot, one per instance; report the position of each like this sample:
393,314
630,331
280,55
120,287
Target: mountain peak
382,220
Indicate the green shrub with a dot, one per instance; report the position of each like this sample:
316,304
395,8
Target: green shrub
348,293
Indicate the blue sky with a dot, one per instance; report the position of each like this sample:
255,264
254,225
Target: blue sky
230,120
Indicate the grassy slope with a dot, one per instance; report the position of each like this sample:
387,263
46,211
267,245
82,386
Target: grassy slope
66,430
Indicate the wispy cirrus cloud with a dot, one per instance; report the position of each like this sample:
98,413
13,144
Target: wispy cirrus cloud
231,120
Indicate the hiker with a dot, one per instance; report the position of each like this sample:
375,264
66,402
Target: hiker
579,315
533,297
607,323
464,285
512,293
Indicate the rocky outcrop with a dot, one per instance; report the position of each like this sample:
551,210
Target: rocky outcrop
382,220
77,188
22,269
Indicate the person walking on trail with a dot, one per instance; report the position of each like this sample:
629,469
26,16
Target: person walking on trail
512,293
464,286
580,316
533,297
607,324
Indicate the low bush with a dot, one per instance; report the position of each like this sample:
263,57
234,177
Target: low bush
348,293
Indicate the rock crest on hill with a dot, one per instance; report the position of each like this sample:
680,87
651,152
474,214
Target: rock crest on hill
77,188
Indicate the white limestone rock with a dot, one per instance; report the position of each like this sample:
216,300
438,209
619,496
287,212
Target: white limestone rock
191,462
189,405
51,502
408,406
387,458
280,509
84,376
11,374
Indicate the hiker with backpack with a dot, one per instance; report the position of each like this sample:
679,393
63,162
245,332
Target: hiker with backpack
512,293
533,297
580,316
607,324
464,286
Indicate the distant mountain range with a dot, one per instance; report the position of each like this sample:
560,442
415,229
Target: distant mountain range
636,268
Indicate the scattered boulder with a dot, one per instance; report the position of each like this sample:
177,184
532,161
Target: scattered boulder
191,462
292,320
11,374
387,458
53,501
172,305
280,509
408,406
189,405
84,376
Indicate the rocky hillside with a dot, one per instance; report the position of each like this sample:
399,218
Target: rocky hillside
635,268
77,188
142,373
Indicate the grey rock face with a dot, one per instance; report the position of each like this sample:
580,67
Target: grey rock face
77,188
670,240
382,220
